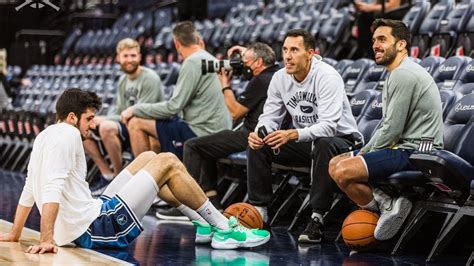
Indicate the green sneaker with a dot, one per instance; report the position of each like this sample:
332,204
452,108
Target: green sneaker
238,236
204,232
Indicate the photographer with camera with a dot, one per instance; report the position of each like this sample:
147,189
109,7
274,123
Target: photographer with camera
195,109
257,64
312,92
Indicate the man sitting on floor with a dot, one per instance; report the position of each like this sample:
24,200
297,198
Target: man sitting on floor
56,183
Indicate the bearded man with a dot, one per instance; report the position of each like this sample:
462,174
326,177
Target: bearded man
411,108
138,84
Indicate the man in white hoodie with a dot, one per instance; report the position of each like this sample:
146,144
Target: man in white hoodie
312,92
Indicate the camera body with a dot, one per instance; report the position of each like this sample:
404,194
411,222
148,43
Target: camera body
235,64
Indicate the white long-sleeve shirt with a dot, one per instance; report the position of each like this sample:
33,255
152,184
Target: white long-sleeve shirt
318,105
56,174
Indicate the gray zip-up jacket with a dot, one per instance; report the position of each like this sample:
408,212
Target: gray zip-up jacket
318,105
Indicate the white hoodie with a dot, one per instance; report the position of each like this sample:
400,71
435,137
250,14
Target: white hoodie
318,105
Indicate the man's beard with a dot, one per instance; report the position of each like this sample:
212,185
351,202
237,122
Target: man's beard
388,57
129,72
80,132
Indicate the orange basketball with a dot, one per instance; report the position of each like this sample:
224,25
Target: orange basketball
247,214
358,229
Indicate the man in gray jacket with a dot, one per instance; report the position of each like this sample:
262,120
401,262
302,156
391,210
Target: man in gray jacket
411,108
197,97
312,92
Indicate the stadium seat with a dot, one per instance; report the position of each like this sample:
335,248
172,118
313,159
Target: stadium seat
431,24
374,79
465,84
371,117
361,101
447,74
443,41
354,73
342,65
449,171
415,15
466,39
333,35
431,63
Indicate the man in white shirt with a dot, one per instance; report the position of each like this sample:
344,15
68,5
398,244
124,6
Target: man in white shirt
56,183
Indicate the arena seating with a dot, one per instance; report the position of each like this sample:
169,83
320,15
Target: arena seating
443,37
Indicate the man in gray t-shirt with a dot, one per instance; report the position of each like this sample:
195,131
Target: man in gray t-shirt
138,85
196,108
411,108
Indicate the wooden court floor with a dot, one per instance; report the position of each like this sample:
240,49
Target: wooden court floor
14,252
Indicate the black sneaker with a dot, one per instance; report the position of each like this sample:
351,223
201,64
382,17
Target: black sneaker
313,232
171,214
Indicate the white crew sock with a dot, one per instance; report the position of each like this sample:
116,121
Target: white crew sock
190,213
209,213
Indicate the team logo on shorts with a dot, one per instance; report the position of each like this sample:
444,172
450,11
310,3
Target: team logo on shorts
122,219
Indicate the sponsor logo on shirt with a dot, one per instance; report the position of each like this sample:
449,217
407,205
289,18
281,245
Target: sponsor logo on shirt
306,109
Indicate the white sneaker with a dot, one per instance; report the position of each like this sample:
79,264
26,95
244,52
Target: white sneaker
393,213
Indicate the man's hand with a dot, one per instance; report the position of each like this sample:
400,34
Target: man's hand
363,7
8,237
255,142
224,77
126,115
239,48
42,248
278,138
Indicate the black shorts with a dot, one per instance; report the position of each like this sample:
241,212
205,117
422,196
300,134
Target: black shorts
172,133
383,163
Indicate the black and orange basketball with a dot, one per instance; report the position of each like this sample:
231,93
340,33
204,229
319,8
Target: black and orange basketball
246,213
358,229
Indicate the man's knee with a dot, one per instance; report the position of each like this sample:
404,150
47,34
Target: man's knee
108,128
136,124
339,172
168,161
146,156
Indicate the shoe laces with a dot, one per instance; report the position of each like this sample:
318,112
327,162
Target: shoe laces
313,225
237,226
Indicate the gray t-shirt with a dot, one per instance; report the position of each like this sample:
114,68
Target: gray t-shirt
411,107
146,88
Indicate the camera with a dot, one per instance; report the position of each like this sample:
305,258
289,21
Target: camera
235,64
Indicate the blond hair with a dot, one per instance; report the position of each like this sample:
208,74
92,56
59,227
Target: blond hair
128,43
3,61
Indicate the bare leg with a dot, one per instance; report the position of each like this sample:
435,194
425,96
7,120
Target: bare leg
155,144
109,133
351,176
140,130
168,170
166,195
93,150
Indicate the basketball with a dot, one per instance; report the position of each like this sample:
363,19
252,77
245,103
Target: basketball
358,229
247,214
